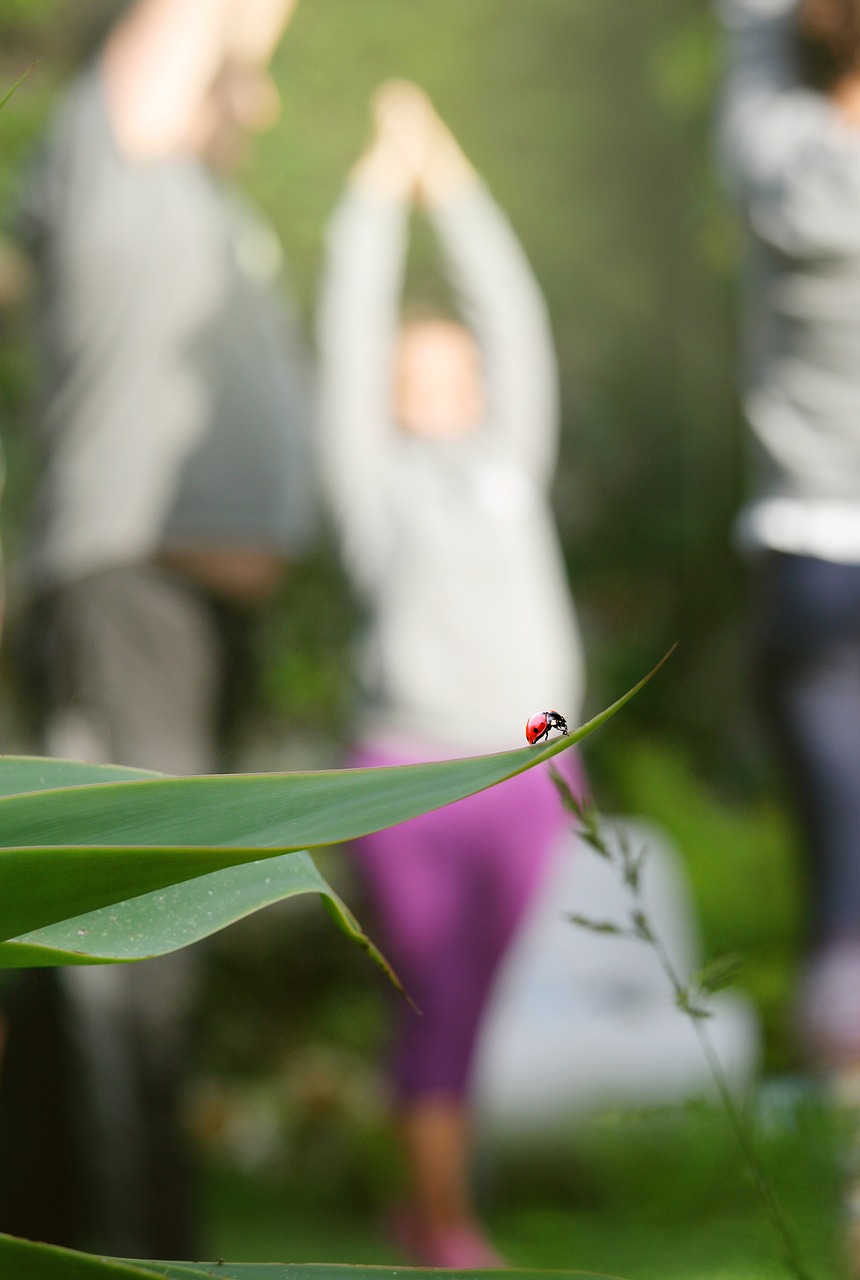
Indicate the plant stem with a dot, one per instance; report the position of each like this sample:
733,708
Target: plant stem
8,94
630,866
790,1250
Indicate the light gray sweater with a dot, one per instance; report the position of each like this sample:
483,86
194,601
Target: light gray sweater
796,172
453,545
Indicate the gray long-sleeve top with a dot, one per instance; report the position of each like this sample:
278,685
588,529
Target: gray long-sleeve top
795,168
174,405
471,628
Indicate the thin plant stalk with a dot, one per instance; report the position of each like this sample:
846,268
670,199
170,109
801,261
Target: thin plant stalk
8,94
790,1250
688,998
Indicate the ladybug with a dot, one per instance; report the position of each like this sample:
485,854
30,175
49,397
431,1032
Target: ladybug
540,724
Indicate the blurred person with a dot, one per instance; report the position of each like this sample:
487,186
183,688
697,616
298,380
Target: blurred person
175,490
791,140
439,445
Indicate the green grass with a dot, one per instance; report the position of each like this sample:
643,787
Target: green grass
724,1246
653,1197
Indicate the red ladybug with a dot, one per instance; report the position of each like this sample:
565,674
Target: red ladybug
540,724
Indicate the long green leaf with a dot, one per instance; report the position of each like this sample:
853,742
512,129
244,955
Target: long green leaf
156,923
259,811
23,1260
331,1271
22,774
70,850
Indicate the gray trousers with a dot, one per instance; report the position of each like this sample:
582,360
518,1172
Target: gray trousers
133,671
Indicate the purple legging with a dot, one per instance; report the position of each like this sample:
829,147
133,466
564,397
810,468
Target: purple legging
448,890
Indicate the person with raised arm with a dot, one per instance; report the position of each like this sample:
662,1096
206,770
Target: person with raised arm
439,439
790,139
176,486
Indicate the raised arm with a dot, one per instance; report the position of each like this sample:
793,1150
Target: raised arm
791,153
161,61
502,303
357,324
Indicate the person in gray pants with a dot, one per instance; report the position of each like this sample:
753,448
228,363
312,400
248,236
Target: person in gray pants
175,489
790,132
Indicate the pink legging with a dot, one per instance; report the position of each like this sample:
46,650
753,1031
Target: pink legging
448,890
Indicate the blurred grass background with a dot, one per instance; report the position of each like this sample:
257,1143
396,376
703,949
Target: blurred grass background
592,124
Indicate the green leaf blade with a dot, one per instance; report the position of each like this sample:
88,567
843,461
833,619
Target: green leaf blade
25,1260
22,775
176,916
67,850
